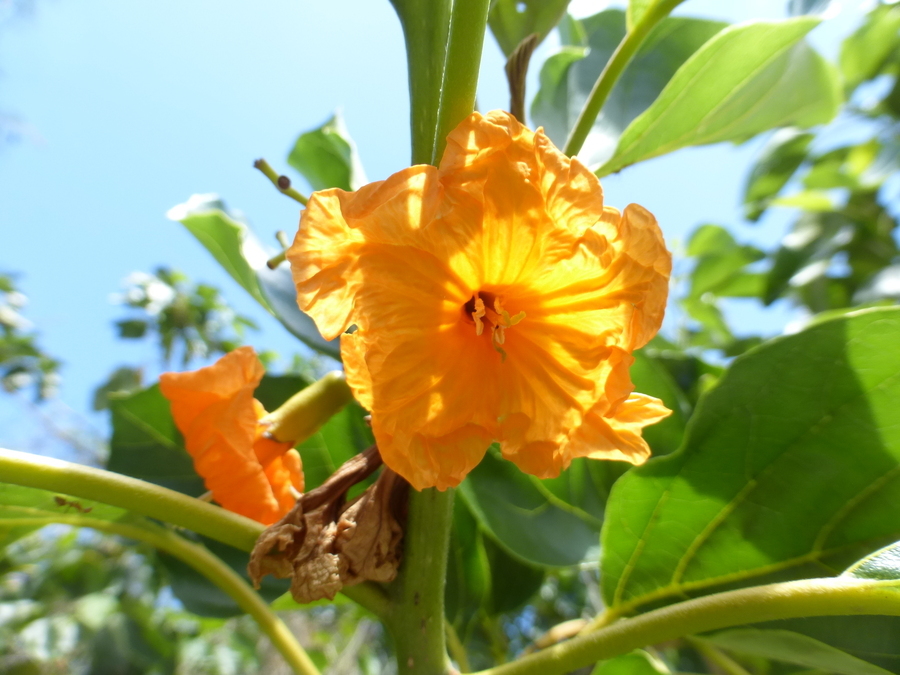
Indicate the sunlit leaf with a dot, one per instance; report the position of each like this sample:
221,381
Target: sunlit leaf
567,79
526,518
764,487
745,80
327,157
865,51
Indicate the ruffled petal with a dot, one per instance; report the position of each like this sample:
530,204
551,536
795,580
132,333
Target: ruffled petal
215,411
618,437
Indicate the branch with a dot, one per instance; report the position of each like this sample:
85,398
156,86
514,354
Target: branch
814,597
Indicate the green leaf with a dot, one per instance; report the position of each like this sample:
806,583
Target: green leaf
764,487
525,517
568,76
327,157
865,51
122,381
512,21
236,248
346,434
875,639
651,377
789,647
745,80
720,260
468,569
779,160
883,565
146,444
636,663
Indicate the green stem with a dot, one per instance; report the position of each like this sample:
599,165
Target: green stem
283,183
55,475
614,68
426,29
468,22
206,564
20,468
814,597
416,620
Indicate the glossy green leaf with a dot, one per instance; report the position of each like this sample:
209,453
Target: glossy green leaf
146,444
567,78
765,487
512,21
874,639
865,51
745,80
236,248
779,160
468,569
636,663
327,157
789,647
525,517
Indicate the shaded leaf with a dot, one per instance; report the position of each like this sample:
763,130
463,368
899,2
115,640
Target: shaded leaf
327,157
567,79
525,517
779,160
745,80
146,444
121,382
512,21
764,488
883,565
801,650
237,249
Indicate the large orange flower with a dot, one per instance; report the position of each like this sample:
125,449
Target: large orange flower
246,471
494,298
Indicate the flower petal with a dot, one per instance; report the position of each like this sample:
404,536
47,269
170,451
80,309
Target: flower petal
618,437
215,411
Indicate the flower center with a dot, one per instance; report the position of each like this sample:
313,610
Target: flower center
485,307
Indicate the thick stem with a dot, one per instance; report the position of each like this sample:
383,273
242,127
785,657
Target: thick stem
416,620
206,564
426,28
816,597
468,23
20,468
614,68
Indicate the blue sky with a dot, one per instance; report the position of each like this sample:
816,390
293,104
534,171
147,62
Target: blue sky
140,104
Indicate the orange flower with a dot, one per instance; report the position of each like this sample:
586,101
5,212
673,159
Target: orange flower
494,298
214,409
